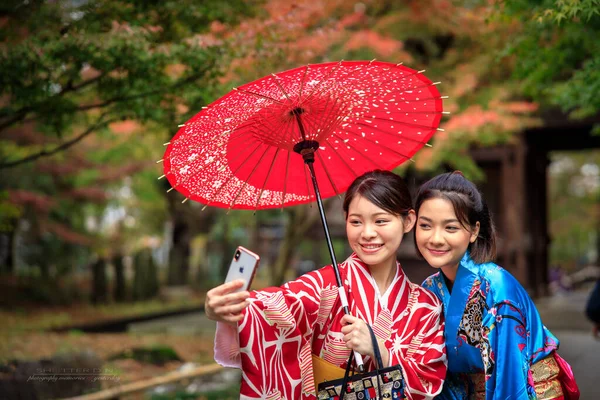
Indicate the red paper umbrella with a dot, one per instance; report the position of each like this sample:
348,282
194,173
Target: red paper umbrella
302,135
242,151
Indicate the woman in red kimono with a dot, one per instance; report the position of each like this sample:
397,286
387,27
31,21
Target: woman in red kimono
272,333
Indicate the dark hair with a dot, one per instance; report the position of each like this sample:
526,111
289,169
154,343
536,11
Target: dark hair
469,207
384,189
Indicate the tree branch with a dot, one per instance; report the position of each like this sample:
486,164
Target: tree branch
118,99
22,113
62,147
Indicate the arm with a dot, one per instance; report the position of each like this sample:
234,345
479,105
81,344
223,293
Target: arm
294,303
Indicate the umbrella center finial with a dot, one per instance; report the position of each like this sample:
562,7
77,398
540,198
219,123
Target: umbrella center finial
297,111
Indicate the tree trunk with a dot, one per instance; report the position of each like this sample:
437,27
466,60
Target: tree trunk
99,287
152,278
227,249
120,293
8,249
179,257
145,281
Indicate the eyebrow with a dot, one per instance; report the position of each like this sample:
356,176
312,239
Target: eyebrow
373,215
446,221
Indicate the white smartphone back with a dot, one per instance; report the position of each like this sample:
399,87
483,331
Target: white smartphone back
243,266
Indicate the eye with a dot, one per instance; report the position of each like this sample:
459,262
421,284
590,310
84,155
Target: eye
381,221
354,222
452,228
424,226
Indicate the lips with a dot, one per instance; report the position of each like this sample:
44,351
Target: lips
370,247
438,252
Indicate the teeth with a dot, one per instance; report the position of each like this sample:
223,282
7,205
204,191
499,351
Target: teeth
371,246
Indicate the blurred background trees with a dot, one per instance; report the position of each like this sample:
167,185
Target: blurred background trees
90,91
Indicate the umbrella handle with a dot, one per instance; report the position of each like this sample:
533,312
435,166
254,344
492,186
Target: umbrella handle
307,149
357,355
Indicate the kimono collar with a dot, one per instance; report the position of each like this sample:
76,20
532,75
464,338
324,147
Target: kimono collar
468,263
365,272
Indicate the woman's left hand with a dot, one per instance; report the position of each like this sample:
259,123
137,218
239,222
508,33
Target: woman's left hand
357,335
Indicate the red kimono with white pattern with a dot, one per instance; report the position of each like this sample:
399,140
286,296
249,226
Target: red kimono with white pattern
283,326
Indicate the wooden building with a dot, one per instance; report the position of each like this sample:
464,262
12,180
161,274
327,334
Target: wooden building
516,191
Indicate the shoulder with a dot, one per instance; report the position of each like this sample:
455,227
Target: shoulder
424,296
431,281
501,283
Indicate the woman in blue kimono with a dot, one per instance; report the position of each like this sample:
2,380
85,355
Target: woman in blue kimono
496,344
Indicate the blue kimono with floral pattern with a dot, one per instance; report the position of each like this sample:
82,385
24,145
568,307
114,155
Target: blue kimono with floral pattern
492,327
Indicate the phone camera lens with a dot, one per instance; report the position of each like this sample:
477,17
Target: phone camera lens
237,255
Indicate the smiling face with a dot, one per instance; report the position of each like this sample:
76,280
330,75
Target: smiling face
375,234
440,237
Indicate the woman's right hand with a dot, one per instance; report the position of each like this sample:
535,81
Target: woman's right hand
223,305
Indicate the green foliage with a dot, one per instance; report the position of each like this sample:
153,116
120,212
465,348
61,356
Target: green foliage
67,71
158,355
557,52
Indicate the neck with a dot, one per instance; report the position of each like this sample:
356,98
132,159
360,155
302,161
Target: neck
450,272
383,275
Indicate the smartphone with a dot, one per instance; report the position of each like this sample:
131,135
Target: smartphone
243,266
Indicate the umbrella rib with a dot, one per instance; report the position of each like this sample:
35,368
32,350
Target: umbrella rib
258,95
341,158
287,164
416,112
267,128
196,171
401,78
424,99
274,77
228,179
395,135
398,122
411,89
323,80
262,189
267,147
302,82
327,173
357,152
381,145
344,89
313,126
332,122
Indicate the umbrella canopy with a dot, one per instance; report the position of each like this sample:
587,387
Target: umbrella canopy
244,150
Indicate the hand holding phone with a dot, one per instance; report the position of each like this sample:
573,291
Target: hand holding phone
243,266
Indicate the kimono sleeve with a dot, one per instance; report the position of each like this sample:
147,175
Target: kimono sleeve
422,353
503,347
274,347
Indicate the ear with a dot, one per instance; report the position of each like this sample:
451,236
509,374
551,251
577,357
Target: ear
474,233
409,221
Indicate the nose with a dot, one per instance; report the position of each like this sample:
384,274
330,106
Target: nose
368,231
436,238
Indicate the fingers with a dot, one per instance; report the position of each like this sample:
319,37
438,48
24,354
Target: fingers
223,304
226,288
349,319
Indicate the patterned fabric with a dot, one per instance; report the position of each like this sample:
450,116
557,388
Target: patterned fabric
276,347
366,386
494,335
